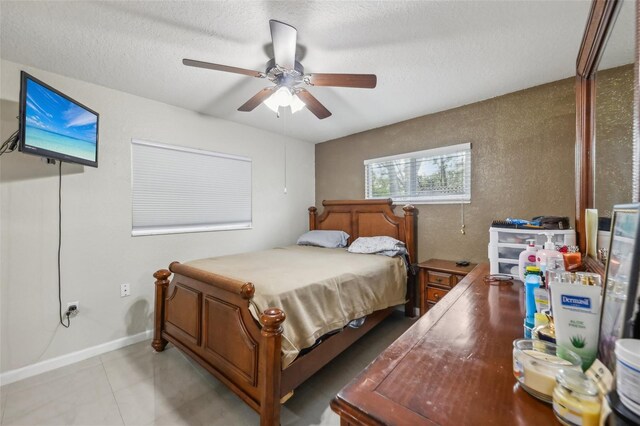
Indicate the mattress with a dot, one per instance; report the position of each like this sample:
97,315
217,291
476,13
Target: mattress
319,289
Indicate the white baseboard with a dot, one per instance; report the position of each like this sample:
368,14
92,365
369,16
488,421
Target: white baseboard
12,376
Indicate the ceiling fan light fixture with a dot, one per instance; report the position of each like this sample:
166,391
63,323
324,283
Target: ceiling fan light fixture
283,96
272,103
296,104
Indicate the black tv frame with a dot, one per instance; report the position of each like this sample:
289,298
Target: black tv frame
44,152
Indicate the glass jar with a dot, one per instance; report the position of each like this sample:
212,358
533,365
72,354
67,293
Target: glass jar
575,399
535,366
571,260
589,278
546,331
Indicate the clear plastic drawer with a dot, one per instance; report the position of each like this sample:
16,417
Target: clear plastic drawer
522,237
508,268
510,252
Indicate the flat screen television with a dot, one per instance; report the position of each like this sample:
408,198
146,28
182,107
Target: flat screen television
55,126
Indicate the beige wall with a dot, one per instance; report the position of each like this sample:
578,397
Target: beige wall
98,252
614,138
522,164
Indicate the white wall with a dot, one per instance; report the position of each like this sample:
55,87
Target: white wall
98,252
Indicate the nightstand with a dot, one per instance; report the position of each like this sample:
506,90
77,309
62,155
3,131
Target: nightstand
437,277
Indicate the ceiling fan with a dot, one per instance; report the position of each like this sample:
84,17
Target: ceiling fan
287,74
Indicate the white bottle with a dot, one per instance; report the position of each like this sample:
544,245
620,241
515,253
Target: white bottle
549,251
527,258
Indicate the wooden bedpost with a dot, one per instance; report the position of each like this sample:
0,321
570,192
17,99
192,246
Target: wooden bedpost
312,218
410,229
412,248
162,281
270,366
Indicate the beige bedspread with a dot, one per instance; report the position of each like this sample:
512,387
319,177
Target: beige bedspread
319,289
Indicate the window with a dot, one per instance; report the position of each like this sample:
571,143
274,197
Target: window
176,189
440,175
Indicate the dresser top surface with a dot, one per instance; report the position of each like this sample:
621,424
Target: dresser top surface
454,366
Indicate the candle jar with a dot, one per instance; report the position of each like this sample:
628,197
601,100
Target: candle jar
571,260
575,399
536,363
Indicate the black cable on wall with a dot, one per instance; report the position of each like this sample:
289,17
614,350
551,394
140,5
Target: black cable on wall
59,249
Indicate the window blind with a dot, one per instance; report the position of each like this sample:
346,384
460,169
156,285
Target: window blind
177,189
440,175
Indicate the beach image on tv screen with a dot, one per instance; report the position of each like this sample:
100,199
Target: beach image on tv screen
57,124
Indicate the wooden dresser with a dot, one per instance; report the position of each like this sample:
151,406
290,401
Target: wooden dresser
454,366
437,277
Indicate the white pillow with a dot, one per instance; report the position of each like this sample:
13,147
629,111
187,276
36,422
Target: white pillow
327,239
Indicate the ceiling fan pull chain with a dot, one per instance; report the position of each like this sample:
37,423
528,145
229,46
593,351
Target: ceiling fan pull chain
284,132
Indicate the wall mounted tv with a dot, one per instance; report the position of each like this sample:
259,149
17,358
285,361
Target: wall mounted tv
55,126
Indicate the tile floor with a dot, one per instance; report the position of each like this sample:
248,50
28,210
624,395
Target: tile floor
135,386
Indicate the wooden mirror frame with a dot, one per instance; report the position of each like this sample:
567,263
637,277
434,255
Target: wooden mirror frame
599,25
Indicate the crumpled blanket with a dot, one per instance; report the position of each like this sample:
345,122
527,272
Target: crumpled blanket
385,246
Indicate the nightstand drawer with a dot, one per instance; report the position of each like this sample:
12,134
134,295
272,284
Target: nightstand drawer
437,277
441,278
435,294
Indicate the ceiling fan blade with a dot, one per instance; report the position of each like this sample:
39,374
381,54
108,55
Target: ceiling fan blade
218,67
363,81
284,38
313,104
257,99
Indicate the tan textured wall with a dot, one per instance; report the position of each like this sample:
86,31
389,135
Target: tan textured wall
614,138
522,164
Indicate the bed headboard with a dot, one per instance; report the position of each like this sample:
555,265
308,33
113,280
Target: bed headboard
367,218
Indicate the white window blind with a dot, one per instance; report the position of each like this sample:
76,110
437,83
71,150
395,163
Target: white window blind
440,175
176,189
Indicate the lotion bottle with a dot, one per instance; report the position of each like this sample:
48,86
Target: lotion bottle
527,258
549,251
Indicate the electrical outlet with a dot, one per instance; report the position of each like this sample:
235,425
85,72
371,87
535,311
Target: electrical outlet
75,311
125,290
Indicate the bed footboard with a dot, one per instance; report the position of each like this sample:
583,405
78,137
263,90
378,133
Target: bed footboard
207,316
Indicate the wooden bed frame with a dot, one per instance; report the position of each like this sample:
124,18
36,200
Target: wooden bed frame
207,315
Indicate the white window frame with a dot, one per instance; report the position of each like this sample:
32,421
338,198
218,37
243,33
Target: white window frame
185,210
413,156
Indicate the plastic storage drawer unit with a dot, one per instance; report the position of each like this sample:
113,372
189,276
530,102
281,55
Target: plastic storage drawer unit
505,245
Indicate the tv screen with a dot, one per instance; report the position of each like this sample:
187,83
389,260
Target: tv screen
55,126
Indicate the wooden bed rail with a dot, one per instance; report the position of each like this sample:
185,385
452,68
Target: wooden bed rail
246,290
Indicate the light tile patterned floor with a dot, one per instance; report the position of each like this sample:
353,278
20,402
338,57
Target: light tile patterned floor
135,386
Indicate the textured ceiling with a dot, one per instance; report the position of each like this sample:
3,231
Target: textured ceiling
428,56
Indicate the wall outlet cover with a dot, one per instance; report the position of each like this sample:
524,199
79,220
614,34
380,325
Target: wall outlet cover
125,290
77,305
